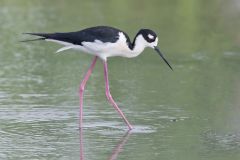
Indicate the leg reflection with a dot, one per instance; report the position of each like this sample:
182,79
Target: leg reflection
120,145
116,150
81,143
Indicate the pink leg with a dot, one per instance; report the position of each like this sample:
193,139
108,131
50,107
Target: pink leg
109,97
82,87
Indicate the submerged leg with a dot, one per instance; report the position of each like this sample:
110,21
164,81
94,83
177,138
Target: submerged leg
109,97
82,87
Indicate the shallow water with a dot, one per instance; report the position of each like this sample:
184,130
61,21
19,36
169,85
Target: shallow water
190,113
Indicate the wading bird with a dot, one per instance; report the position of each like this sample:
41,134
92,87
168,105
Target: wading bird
103,42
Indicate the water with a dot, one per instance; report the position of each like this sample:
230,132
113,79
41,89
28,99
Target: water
190,113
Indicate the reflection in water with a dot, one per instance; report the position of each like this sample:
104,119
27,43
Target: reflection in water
115,151
81,143
120,145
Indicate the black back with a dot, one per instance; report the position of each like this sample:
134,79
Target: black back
102,33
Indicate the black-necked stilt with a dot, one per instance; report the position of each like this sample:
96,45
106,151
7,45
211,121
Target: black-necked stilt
103,42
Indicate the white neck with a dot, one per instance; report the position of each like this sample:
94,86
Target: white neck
139,45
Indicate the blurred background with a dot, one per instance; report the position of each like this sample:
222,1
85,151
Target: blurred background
190,113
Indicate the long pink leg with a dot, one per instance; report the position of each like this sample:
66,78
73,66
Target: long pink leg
82,87
109,96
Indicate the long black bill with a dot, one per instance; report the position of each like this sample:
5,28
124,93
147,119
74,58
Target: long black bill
157,49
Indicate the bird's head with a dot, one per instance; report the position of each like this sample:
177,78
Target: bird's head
150,39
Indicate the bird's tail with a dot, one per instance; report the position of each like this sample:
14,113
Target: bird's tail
43,36
29,40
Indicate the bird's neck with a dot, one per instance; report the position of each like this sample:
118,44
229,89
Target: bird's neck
138,46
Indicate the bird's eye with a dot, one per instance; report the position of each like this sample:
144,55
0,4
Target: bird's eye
150,38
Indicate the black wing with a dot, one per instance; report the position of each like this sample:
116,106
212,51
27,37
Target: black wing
102,33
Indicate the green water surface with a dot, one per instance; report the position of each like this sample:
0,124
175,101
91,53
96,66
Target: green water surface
191,113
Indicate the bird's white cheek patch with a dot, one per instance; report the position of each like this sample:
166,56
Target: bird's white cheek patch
150,36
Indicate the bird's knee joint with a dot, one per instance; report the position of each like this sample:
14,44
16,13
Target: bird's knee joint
81,88
109,96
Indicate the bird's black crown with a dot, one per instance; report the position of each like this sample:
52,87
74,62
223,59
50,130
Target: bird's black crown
148,35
